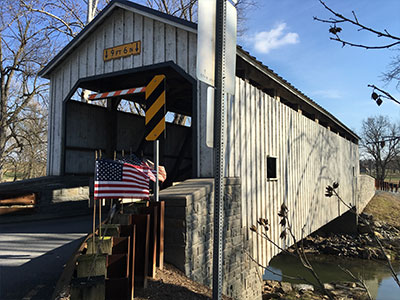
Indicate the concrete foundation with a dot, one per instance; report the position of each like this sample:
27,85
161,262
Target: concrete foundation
189,213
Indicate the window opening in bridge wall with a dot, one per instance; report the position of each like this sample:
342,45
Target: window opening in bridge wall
271,168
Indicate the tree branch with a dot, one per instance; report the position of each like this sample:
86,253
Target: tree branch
354,21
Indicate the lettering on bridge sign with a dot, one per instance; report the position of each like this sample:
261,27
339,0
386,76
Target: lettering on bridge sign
124,50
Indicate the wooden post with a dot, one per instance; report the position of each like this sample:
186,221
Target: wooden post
94,225
100,203
112,126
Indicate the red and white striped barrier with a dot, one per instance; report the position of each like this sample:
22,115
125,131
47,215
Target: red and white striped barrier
117,93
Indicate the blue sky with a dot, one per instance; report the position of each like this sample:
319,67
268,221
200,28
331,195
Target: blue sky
283,35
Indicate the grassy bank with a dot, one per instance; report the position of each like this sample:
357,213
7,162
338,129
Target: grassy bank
385,207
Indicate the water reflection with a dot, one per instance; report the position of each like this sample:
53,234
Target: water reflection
375,274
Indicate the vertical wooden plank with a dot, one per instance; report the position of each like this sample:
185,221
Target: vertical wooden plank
127,62
232,143
227,136
262,173
50,130
153,211
254,165
109,42
159,42
82,53
308,170
243,142
193,55
296,167
57,123
170,40
282,159
237,137
74,69
247,172
271,185
268,190
91,53
253,191
147,45
138,36
278,144
274,152
258,169
66,69
288,157
99,38
118,36
303,162
182,48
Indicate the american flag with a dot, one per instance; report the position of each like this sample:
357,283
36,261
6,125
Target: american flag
162,173
147,166
115,179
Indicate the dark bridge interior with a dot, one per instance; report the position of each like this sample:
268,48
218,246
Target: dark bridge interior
89,127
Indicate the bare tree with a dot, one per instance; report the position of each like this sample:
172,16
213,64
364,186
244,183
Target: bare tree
384,39
25,154
24,46
187,9
380,141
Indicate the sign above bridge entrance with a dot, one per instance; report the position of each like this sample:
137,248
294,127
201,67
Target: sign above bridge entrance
124,50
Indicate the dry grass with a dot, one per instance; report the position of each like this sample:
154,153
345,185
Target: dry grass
385,207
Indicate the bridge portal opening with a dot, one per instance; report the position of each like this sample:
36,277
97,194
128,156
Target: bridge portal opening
116,125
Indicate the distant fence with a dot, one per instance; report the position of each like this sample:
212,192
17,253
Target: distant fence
387,186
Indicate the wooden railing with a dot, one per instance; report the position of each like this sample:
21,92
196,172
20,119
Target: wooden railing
387,186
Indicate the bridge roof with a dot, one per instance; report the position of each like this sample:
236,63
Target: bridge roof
308,104
244,58
127,5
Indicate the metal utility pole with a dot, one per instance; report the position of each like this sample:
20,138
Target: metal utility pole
219,163
216,66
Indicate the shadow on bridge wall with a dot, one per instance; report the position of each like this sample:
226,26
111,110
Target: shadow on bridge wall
323,157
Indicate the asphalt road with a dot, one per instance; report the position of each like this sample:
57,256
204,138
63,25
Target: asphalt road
33,255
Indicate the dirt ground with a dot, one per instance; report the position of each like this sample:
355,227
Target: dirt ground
170,283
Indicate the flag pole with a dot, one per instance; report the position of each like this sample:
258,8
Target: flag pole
96,156
156,163
94,225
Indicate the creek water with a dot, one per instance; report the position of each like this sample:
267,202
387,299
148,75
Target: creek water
375,274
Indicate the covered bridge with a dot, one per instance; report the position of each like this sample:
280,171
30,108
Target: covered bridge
281,147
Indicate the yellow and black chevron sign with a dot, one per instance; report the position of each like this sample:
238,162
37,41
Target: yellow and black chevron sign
155,108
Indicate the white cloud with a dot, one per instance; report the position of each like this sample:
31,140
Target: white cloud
265,41
329,94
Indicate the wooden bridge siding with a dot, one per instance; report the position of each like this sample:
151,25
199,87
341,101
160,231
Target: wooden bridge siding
309,157
160,42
